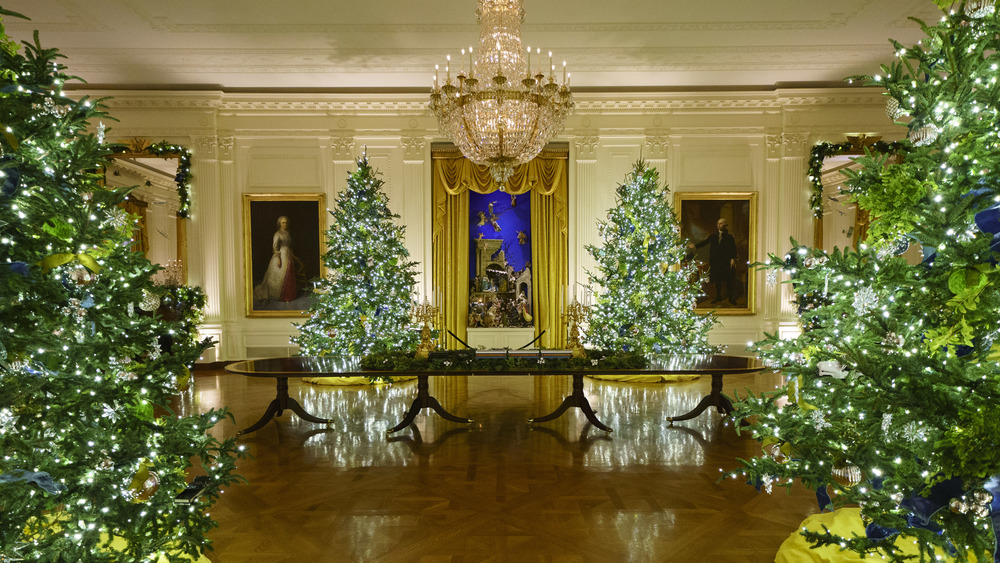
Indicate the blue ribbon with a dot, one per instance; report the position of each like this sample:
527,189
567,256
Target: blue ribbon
40,478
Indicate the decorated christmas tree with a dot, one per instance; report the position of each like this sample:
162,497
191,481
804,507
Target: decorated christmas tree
645,288
93,455
363,304
893,395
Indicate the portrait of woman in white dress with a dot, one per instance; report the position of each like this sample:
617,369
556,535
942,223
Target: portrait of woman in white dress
279,278
283,243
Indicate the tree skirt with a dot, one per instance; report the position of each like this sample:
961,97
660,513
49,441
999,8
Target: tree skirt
361,380
646,378
843,522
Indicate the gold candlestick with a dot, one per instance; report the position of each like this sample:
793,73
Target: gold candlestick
424,313
575,312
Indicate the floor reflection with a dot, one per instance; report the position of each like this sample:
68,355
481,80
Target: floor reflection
500,407
498,489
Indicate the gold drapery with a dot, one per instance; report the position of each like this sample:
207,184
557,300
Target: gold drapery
546,178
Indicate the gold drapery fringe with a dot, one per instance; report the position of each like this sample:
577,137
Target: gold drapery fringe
546,177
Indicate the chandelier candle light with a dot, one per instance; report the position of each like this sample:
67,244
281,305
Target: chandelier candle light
501,113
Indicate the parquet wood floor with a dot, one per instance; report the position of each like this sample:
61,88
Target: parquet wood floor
561,492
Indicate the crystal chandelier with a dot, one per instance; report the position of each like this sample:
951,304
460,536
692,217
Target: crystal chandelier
501,113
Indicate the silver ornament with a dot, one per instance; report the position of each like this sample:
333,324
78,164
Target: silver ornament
865,300
925,135
886,423
976,9
766,481
772,278
150,301
819,420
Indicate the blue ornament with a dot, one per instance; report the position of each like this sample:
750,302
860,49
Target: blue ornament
988,220
11,181
19,268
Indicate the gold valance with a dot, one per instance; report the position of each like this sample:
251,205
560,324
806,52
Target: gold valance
544,174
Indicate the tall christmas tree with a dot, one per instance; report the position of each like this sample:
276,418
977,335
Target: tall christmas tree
93,456
363,304
893,395
645,291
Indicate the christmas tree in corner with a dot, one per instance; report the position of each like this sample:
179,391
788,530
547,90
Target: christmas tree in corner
363,304
645,291
93,456
893,396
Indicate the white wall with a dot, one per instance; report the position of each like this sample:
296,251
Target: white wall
307,143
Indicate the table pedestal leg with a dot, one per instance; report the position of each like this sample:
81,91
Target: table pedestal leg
424,400
575,399
281,402
714,399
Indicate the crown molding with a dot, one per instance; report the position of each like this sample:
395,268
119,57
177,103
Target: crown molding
415,105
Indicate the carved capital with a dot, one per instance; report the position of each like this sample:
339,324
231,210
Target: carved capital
795,143
774,144
586,147
413,147
205,146
655,147
226,146
786,144
343,147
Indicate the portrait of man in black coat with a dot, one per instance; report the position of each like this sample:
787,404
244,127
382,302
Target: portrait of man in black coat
721,262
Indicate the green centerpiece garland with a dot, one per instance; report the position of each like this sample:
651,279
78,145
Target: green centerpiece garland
465,360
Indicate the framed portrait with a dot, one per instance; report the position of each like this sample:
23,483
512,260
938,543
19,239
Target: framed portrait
721,229
282,246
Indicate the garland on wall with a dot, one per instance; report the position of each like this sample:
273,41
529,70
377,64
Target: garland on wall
140,148
822,151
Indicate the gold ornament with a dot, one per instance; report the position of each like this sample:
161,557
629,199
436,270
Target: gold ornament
892,109
81,276
144,484
184,381
846,476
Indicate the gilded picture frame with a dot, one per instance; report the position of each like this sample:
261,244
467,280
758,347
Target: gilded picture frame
721,228
283,245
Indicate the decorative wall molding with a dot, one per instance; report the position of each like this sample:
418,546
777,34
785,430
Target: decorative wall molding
159,133
828,22
358,107
397,105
